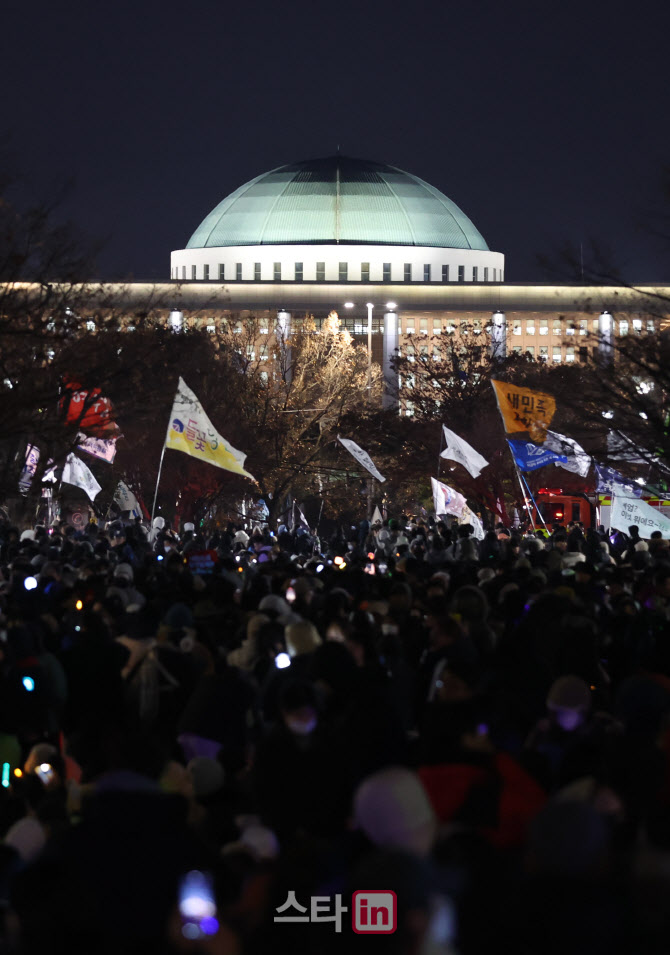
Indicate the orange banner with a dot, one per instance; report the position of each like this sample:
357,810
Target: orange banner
524,410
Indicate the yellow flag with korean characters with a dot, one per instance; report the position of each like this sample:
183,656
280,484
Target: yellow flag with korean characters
191,431
523,409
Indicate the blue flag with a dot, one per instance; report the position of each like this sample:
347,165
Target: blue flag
530,457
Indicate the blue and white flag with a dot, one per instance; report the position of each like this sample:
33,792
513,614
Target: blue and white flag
530,457
609,478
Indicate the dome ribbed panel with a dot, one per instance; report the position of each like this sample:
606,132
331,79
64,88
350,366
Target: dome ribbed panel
337,199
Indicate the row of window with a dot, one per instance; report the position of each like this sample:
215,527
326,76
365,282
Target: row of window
558,353
579,327
484,274
569,355
436,326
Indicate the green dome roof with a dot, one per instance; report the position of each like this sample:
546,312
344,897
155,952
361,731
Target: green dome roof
337,200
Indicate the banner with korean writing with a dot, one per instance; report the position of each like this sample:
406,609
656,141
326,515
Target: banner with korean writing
191,431
102,448
524,410
627,511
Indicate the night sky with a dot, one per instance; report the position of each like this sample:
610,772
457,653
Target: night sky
544,123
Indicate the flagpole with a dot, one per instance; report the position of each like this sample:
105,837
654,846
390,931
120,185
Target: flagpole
160,468
535,503
439,453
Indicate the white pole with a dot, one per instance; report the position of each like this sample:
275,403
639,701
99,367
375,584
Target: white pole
160,468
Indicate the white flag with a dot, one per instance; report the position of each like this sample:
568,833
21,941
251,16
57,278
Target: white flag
75,472
126,500
191,431
623,449
377,516
578,461
460,451
469,517
361,456
626,511
446,500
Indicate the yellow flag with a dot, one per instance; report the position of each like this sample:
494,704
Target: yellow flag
524,410
191,431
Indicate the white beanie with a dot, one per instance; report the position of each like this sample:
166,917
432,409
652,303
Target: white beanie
393,810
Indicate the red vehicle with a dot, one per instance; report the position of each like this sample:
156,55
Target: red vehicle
559,508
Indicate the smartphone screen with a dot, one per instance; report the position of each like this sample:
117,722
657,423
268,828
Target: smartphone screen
197,905
290,594
44,772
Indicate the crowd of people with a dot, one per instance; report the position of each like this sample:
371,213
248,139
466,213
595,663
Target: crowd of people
210,742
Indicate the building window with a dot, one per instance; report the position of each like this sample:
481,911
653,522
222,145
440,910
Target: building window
569,353
193,273
211,329
516,349
386,272
257,271
426,273
344,272
461,273
437,326
623,327
276,271
475,273
650,325
409,409
445,273
476,327
583,353
556,353
531,350
408,272
637,326
486,273
516,327
365,271
544,327
205,273
238,271
570,330
423,326
450,327
321,271
222,272
558,327
596,325
530,326
544,352
183,273
298,271
409,326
